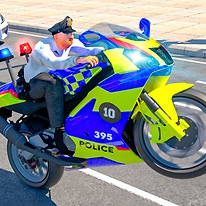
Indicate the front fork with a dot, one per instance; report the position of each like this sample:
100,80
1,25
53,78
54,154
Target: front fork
159,111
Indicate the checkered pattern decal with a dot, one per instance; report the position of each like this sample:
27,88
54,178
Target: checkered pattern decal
73,81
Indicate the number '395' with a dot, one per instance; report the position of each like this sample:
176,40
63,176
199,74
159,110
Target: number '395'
103,135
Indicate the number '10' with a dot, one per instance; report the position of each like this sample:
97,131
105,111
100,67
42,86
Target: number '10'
109,112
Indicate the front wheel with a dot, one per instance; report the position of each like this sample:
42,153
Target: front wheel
35,171
178,159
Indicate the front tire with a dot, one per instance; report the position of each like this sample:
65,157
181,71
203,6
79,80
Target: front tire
35,172
178,159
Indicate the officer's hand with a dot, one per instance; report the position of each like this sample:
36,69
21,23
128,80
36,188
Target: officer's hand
93,60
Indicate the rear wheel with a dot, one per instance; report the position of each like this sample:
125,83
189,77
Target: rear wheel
35,171
179,159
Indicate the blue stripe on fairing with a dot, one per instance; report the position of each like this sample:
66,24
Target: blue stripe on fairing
101,161
7,86
131,80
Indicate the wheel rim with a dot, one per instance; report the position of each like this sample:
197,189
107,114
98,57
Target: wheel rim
34,169
191,150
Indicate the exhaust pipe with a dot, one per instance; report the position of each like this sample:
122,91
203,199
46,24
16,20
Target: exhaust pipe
20,141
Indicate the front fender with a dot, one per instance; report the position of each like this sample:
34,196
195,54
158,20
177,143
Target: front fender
163,97
163,121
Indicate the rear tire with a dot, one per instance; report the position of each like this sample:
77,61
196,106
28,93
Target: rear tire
35,172
173,158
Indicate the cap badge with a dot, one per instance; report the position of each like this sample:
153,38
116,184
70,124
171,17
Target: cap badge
69,22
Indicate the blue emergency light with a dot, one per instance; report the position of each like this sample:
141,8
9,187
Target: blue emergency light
5,54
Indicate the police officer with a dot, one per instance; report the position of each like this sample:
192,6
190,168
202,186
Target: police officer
52,53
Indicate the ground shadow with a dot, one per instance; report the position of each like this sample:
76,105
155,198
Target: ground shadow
13,67
167,43
15,192
196,41
188,48
192,42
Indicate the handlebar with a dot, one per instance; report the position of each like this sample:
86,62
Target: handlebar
88,66
102,58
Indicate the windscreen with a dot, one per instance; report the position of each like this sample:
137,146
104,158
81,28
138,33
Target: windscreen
99,35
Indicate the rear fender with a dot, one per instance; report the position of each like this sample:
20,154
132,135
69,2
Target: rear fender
164,122
8,95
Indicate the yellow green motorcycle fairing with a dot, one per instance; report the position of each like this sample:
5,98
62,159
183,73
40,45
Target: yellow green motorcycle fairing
97,124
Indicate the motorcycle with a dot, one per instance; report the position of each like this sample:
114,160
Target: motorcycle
120,112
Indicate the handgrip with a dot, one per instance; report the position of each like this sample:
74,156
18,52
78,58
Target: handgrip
88,66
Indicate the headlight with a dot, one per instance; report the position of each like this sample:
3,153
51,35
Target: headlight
141,59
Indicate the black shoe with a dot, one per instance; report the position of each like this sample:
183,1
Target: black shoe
58,138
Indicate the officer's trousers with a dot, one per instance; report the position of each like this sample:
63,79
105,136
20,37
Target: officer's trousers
44,85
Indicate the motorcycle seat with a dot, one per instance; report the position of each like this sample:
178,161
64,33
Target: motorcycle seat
30,107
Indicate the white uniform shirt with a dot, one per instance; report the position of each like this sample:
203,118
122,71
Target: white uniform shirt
46,55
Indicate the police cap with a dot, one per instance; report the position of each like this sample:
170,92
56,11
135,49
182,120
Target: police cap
64,26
